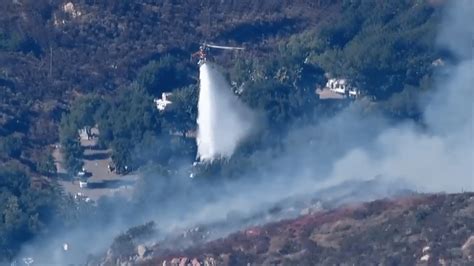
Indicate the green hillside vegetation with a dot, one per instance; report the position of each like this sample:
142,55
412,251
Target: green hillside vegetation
388,54
385,47
26,210
384,52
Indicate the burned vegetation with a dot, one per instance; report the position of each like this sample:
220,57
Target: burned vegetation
407,231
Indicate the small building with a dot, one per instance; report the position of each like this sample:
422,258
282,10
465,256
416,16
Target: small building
438,62
342,87
88,133
83,184
164,101
85,133
70,9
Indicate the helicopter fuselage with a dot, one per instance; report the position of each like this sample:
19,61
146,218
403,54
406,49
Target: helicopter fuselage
204,51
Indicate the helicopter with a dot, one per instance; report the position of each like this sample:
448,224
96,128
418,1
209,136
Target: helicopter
205,48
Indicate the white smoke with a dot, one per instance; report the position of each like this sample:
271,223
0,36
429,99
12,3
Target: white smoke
439,157
223,121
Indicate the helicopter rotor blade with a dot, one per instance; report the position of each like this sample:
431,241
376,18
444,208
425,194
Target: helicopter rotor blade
224,47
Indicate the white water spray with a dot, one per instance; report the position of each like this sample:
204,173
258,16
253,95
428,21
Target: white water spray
223,121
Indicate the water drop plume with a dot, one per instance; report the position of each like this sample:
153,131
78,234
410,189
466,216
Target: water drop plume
223,121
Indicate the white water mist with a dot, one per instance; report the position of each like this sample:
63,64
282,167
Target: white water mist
223,121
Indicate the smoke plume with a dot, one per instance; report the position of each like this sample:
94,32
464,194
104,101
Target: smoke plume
438,158
223,121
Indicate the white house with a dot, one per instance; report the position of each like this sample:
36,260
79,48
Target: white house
164,101
343,87
85,133
83,184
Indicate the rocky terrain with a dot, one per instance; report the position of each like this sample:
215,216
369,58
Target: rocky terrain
414,230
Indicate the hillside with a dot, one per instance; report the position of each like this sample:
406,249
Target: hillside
55,52
415,230
52,52
69,67
101,45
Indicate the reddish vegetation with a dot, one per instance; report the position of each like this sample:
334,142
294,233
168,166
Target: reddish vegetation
384,231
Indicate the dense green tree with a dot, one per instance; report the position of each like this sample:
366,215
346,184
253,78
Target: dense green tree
11,146
25,210
281,103
71,145
121,155
83,111
132,112
381,46
163,75
46,166
9,41
181,115
131,115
